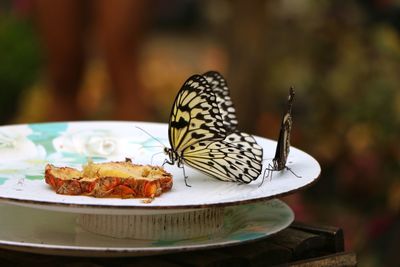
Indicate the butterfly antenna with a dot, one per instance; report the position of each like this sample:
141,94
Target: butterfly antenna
151,146
158,140
290,99
152,157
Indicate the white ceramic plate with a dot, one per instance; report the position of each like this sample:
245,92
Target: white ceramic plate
51,232
26,149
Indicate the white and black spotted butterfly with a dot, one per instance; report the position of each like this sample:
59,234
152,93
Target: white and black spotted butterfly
283,145
200,139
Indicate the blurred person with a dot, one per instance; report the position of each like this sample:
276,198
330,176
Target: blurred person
118,26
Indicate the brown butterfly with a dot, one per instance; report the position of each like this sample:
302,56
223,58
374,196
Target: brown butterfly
283,146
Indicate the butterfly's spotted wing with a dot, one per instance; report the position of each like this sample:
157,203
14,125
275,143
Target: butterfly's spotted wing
195,115
237,158
199,138
224,101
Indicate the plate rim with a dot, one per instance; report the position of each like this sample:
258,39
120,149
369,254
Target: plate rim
69,207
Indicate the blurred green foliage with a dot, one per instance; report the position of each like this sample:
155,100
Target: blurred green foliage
19,62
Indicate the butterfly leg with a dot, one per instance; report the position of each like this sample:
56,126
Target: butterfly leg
167,162
185,176
270,170
182,166
263,178
289,169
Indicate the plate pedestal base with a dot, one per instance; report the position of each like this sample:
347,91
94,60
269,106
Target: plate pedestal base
165,227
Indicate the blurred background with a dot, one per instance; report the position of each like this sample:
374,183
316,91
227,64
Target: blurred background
126,60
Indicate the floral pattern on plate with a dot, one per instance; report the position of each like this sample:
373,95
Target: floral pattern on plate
26,149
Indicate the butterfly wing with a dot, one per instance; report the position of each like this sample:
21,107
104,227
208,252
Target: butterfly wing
195,116
201,139
237,158
220,88
283,146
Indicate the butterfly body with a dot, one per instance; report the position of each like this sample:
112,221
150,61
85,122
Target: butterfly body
201,138
283,146
173,156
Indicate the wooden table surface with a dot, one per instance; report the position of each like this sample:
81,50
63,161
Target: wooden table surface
299,245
